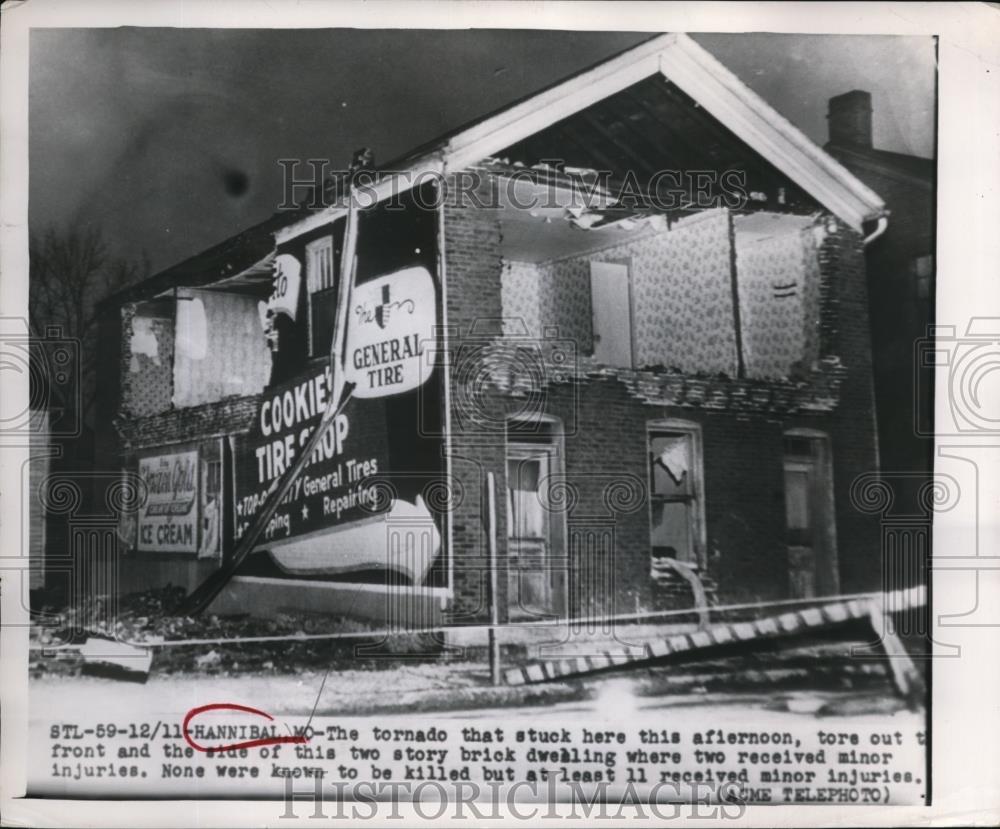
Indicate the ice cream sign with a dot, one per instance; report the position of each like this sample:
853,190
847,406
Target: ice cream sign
169,520
390,323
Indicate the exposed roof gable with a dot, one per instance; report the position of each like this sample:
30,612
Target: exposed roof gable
692,69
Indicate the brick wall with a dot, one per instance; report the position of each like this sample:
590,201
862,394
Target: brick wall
473,272
230,416
899,315
605,416
852,425
196,427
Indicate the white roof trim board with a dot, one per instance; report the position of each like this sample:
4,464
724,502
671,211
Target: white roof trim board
683,62
775,138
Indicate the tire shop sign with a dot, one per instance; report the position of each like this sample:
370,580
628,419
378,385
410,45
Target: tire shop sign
332,488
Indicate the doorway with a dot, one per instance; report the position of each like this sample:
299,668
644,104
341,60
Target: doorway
536,558
809,516
611,304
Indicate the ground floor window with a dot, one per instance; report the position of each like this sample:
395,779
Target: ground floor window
676,517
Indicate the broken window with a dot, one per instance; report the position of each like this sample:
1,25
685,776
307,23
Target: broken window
674,498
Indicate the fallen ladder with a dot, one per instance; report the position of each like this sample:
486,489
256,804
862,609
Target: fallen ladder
733,634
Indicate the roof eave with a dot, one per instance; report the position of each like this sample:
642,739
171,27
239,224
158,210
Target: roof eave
686,64
749,116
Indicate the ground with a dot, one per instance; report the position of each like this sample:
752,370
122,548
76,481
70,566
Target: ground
407,672
402,686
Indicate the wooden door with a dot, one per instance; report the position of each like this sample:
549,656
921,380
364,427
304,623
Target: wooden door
536,562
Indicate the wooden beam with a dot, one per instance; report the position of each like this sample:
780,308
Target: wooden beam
905,675
699,75
641,163
556,103
734,283
566,135
671,129
833,614
615,106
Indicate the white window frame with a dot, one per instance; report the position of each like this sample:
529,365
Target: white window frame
698,531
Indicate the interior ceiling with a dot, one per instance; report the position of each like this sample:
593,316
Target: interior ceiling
543,235
754,227
541,221
547,233
653,126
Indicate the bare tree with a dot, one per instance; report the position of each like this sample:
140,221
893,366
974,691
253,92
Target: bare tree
72,270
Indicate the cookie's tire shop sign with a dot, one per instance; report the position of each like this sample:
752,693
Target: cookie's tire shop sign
334,518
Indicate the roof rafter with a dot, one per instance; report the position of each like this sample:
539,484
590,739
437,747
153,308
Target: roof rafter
697,74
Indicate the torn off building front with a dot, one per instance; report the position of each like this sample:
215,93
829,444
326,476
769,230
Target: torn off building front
671,394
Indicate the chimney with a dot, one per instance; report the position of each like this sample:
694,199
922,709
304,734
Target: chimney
850,119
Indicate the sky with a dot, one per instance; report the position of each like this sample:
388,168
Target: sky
169,138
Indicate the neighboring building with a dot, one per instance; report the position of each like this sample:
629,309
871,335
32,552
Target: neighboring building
39,466
901,279
655,387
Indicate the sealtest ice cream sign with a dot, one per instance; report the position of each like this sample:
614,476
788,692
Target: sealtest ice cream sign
169,521
390,323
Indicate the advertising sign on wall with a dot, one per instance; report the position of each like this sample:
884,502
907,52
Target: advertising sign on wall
391,322
364,489
284,297
332,489
168,522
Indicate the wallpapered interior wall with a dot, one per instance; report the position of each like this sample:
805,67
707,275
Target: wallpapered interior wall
682,307
220,348
779,302
151,357
689,329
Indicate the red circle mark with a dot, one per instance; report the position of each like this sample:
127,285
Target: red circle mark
232,706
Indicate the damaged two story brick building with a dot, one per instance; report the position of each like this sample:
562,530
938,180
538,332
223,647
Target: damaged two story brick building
635,302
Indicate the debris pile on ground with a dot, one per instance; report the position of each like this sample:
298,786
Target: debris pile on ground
145,618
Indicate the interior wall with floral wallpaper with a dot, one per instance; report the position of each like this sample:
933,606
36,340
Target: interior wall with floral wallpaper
682,301
148,385
778,279
682,307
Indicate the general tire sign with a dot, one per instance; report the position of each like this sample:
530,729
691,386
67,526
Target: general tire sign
390,332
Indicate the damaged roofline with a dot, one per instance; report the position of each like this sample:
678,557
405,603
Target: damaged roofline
693,70
772,135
